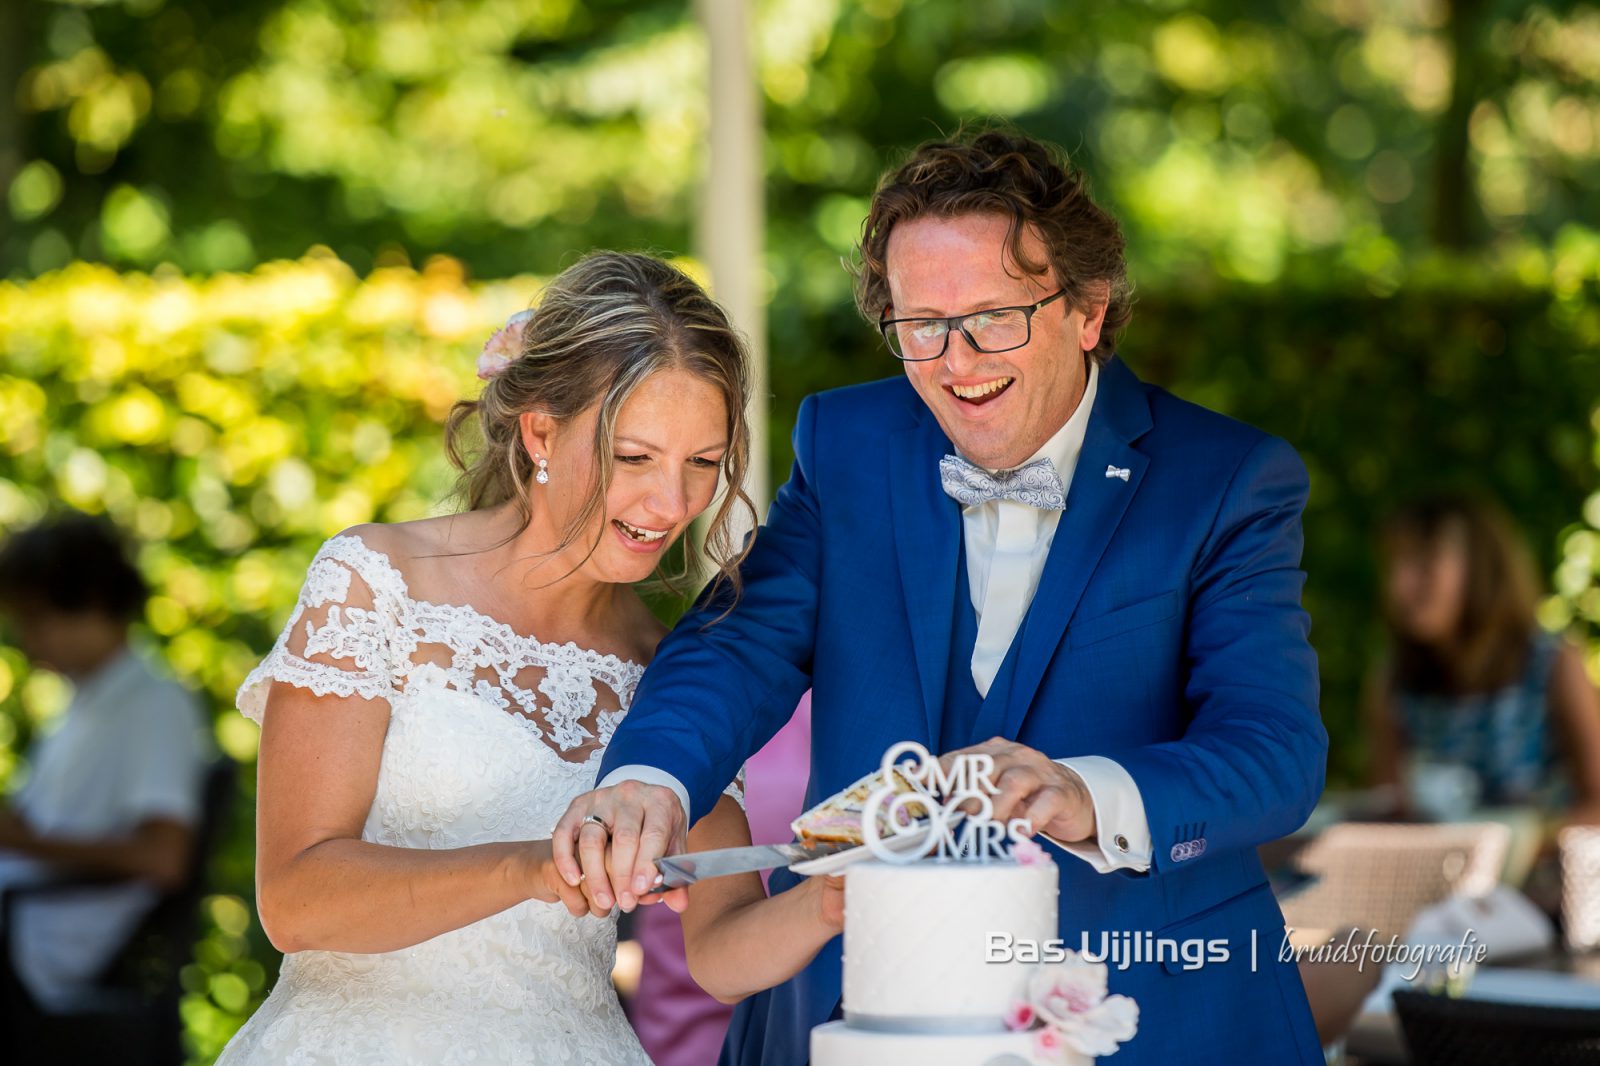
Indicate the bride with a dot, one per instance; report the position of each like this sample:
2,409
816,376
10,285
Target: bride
445,688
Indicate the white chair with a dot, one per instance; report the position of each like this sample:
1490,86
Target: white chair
1580,886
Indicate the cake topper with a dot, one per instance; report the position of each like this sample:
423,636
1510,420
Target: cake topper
955,804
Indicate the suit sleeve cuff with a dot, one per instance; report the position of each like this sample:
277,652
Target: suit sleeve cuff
1122,840
650,775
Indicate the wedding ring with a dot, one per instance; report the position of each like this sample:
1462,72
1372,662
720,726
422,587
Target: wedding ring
595,819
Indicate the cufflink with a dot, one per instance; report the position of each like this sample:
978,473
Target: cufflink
1121,842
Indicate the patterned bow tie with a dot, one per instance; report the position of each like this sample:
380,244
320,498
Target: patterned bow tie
1036,484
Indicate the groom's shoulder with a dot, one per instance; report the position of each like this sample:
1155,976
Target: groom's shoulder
1175,418
1207,447
872,407
1198,436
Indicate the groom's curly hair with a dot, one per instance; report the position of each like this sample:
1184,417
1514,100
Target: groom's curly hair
997,170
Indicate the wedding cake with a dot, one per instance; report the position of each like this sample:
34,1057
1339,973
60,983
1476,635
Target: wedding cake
925,923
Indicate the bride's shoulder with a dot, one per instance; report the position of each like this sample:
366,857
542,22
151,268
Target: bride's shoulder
396,542
372,552
413,557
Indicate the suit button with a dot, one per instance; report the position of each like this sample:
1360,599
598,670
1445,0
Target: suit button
1122,842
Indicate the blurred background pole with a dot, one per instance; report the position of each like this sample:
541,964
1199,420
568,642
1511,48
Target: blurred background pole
13,44
732,209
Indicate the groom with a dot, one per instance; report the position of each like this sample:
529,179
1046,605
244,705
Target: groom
1015,545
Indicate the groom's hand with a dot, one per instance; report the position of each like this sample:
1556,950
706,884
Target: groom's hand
641,823
1034,786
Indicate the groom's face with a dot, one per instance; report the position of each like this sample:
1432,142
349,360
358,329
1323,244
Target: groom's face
940,267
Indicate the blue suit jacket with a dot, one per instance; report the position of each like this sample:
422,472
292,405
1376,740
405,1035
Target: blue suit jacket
1166,634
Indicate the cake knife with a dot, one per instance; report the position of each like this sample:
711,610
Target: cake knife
686,869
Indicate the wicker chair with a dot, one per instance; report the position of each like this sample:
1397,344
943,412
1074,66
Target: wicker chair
1379,876
1441,1031
1580,886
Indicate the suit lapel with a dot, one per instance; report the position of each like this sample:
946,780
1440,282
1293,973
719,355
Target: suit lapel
927,532
1095,506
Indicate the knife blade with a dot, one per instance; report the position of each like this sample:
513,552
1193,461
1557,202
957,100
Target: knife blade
690,867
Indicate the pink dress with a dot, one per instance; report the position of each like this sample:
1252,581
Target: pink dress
678,1024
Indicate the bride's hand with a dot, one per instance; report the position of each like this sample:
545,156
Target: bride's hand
831,903
611,834
543,881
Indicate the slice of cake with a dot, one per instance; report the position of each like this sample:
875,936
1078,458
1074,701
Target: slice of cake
837,819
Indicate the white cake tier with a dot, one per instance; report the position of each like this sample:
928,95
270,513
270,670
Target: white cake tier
836,1044
916,939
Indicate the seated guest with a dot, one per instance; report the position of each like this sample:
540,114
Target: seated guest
1471,681
113,791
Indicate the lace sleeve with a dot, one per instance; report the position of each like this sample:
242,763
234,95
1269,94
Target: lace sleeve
337,640
736,789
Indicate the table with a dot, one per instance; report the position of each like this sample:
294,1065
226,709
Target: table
1554,979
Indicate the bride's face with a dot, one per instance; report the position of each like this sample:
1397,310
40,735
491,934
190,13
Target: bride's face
671,435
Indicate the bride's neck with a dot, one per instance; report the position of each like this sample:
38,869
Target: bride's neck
533,559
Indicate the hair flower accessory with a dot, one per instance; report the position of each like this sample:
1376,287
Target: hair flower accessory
500,349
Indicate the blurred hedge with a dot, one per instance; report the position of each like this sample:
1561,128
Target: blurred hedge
234,421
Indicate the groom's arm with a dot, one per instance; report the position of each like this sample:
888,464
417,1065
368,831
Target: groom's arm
1250,766
720,687
716,691
1121,838
648,775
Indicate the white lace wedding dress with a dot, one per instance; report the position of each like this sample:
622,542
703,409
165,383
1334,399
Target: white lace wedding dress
491,735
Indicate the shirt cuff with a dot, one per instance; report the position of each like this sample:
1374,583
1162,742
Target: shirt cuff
1122,839
650,775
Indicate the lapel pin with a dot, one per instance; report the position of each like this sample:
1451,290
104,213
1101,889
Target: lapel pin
1117,471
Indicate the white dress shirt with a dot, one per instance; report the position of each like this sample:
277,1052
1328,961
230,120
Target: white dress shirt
1006,545
128,748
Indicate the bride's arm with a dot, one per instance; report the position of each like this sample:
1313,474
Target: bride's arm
319,886
739,941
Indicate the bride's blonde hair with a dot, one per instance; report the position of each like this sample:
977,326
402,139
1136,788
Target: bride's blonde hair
602,327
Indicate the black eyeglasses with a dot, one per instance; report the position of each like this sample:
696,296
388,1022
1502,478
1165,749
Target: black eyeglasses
994,329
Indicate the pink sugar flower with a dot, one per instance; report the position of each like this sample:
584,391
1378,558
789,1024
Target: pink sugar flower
1020,1017
1070,998
1060,991
1100,1030
1047,1044
1027,852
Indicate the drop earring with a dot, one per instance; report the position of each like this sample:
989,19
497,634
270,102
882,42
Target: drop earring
543,476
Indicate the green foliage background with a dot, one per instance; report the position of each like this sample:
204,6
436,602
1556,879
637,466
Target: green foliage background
1358,225
231,423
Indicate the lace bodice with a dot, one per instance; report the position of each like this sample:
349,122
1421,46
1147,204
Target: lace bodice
491,735
357,631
